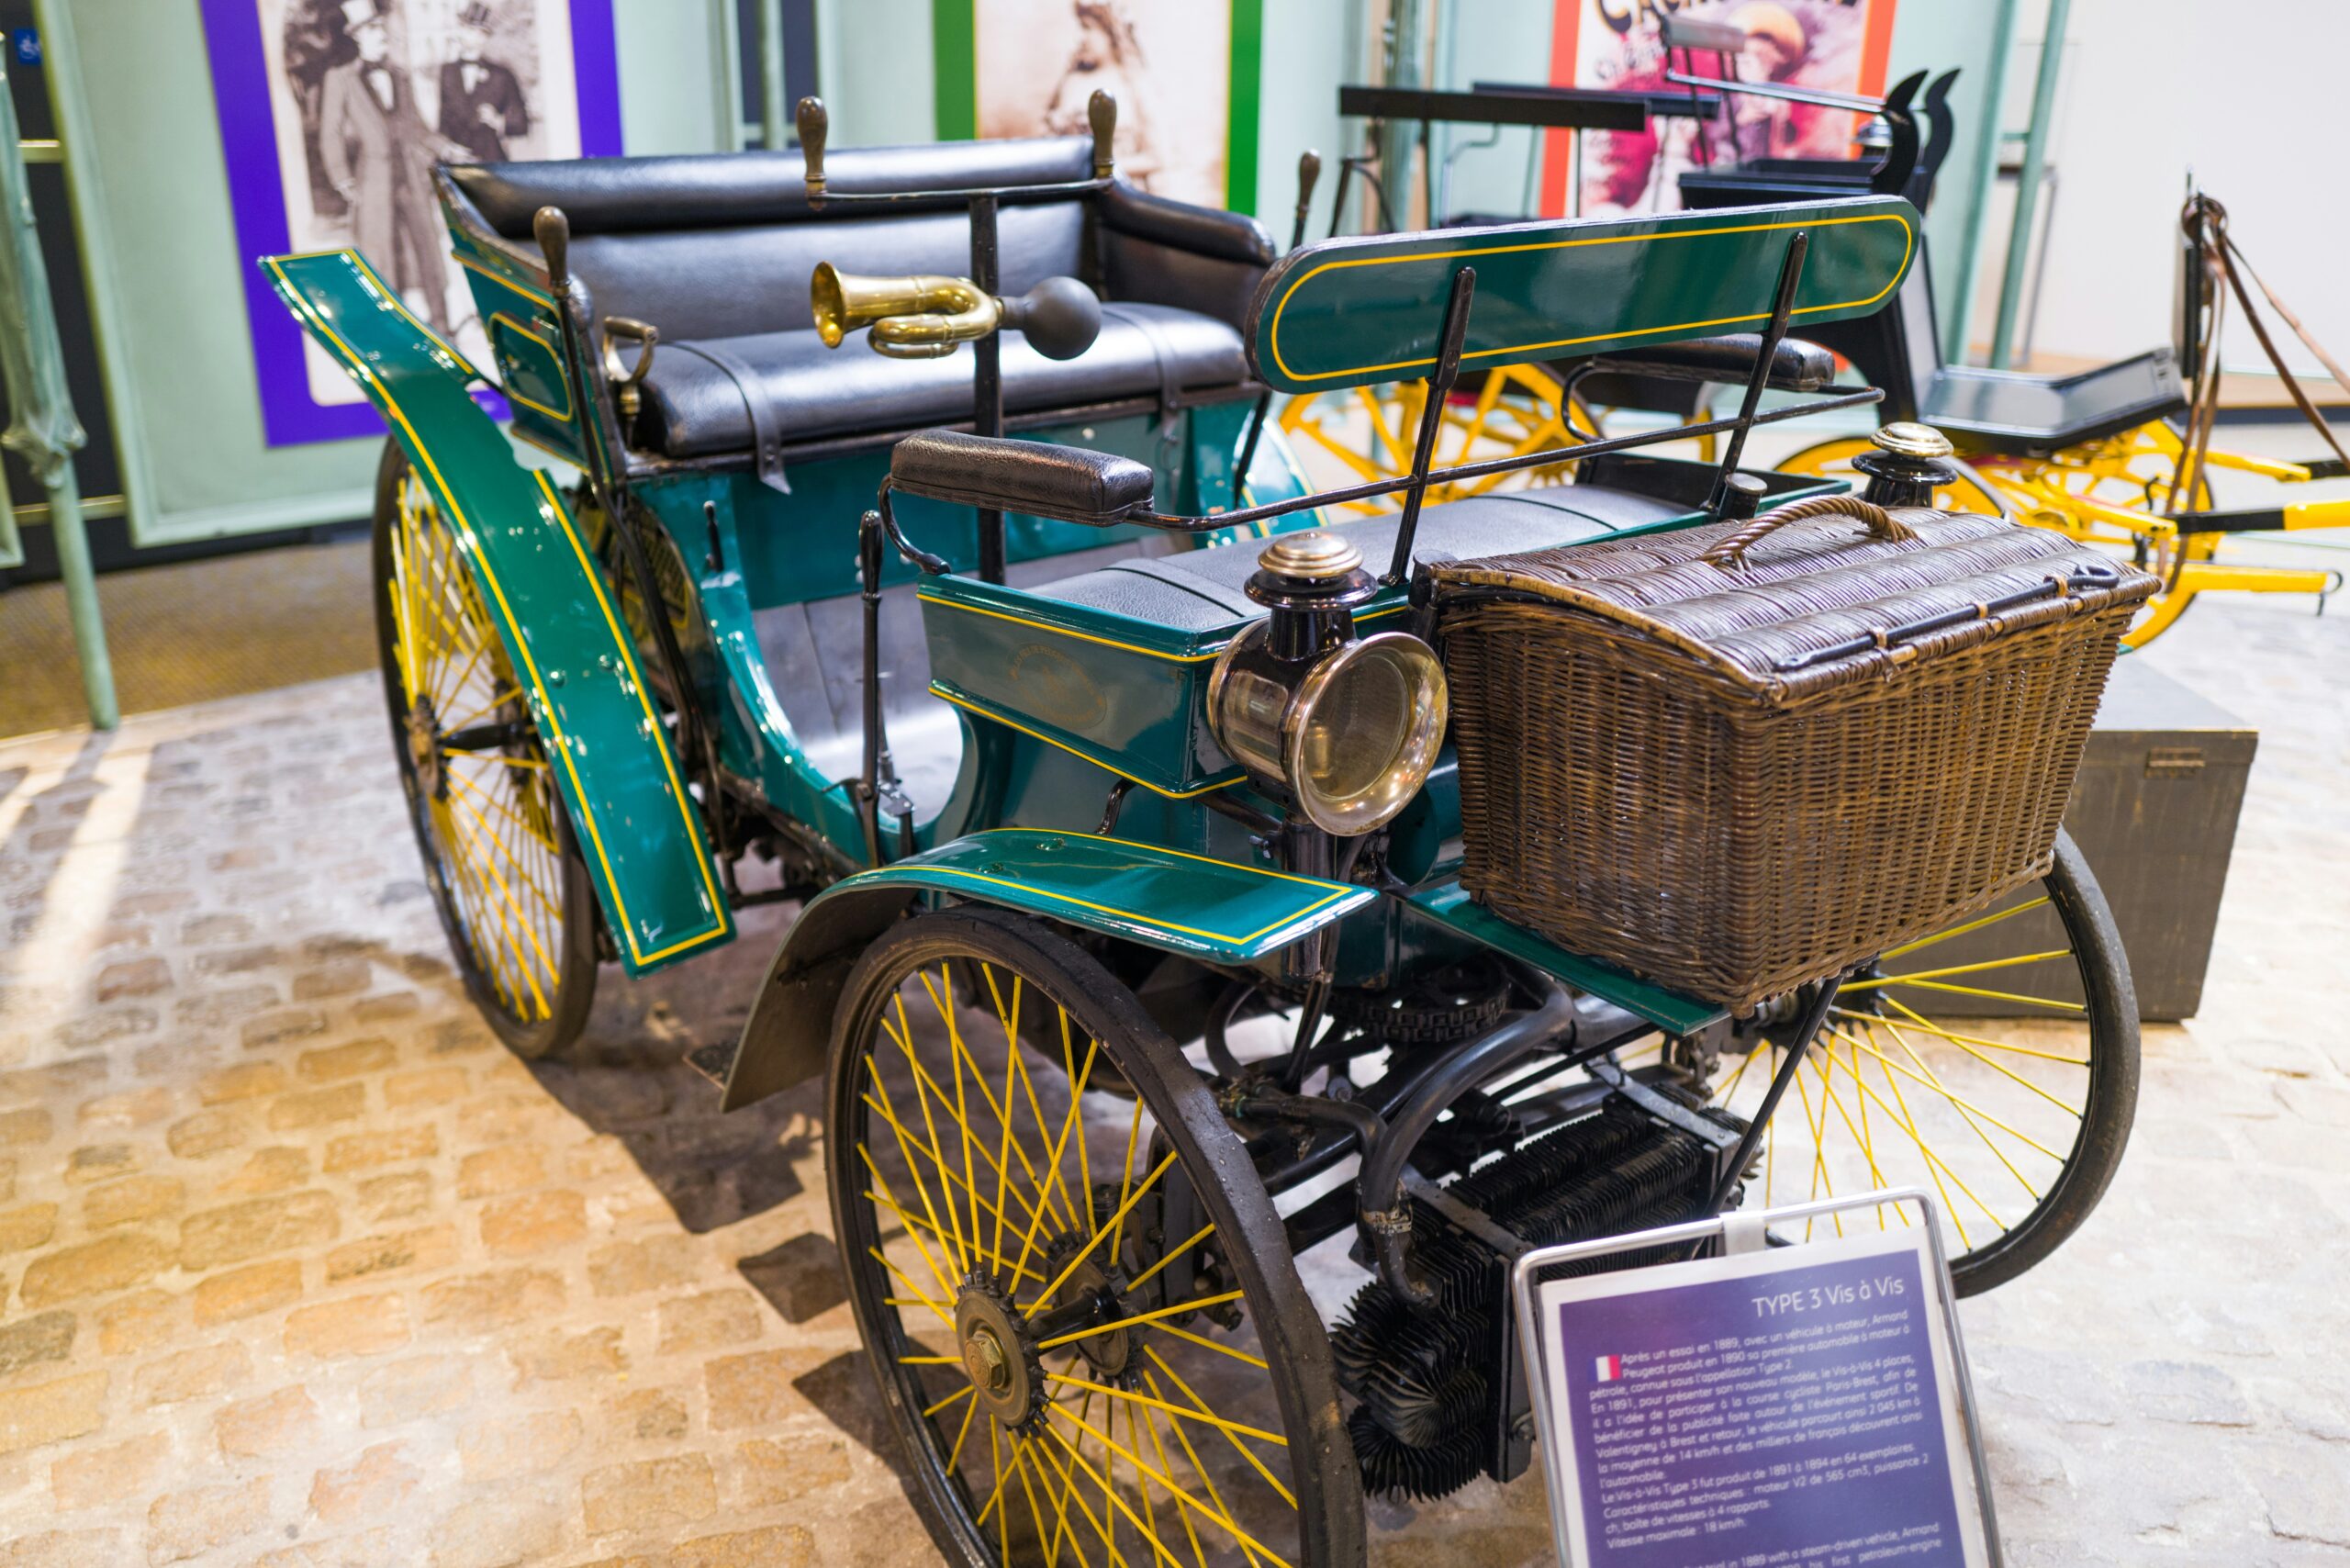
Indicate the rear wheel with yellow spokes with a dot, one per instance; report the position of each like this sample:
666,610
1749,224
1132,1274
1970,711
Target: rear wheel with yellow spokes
1373,430
1994,1064
507,879
1076,1295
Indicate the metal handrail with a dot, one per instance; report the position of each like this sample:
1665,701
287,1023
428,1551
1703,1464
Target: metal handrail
41,423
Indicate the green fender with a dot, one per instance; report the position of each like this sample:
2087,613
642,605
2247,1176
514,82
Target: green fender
563,633
1215,911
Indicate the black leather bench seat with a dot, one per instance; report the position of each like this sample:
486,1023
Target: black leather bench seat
1202,590
715,250
694,409
2007,411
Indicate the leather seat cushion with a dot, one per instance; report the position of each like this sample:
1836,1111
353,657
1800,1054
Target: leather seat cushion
692,408
1202,590
2033,413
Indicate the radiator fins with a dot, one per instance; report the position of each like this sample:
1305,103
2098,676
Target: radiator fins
1428,1412
1396,1469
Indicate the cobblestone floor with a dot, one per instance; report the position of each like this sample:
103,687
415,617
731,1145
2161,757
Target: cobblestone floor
300,1268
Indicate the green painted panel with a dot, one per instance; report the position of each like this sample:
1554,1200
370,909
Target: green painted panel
954,43
1450,905
1349,312
1186,903
1247,94
1124,693
562,632
526,336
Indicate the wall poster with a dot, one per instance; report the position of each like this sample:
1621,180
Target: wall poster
1185,73
332,114
1836,46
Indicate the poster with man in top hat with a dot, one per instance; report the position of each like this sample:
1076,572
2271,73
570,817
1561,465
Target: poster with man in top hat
482,101
363,98
378,156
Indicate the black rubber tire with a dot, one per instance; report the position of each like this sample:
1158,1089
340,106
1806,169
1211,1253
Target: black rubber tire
2113,1101
1289,1331
574,964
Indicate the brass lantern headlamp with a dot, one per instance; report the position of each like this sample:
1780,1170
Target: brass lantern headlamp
1347,727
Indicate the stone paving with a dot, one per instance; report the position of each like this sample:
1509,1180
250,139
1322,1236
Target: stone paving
300,1268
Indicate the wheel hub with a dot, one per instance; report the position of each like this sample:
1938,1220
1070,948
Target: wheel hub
424,747
1108,1353
998,1354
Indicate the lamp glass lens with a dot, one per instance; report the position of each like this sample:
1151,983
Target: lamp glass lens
1360,727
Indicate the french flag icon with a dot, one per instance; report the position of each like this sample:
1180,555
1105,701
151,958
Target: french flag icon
1607,1369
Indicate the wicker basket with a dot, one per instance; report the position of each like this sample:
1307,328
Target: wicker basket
1738,757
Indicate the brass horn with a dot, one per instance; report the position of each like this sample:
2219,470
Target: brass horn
926,315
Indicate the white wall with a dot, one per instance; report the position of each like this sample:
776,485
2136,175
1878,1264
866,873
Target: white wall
2251,95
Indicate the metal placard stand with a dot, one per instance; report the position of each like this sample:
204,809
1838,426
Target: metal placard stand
1772,1405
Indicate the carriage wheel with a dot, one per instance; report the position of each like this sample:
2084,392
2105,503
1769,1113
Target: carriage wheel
1079,1302
1833,460
507,878
1373,430
1994,1064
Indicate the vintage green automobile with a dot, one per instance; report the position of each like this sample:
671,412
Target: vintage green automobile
1134,955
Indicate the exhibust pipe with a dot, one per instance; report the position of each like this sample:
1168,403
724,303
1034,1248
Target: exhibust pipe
1385,1218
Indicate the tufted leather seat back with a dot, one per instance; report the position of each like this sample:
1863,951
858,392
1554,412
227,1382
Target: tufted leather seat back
721,245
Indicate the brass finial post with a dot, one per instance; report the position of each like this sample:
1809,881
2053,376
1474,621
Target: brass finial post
1101,114
814,123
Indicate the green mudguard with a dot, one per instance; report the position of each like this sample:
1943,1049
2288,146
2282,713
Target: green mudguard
554,611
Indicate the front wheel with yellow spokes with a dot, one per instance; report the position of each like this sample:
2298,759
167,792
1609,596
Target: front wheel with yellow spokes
1078,1299
1994,1064
507,879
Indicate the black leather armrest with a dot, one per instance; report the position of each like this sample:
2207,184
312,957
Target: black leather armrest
1065,482
1796,366
1203,231
1158,251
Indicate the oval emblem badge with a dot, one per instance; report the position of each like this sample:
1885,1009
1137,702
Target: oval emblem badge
1056,689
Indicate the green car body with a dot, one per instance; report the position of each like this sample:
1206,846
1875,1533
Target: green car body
1058,703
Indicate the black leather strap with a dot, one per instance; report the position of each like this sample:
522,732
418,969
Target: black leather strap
1162,352
1170,385
767,441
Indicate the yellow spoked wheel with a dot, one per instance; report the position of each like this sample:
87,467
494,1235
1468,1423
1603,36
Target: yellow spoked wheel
2110,493
1078,1299
2106,493
1994,1064
1374,430
1833,460
508,882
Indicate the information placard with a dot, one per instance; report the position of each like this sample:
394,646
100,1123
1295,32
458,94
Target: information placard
1784,1407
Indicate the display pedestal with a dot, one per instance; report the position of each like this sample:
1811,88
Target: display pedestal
1799,1399
2153,810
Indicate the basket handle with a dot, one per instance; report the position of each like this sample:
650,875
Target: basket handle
1730,550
